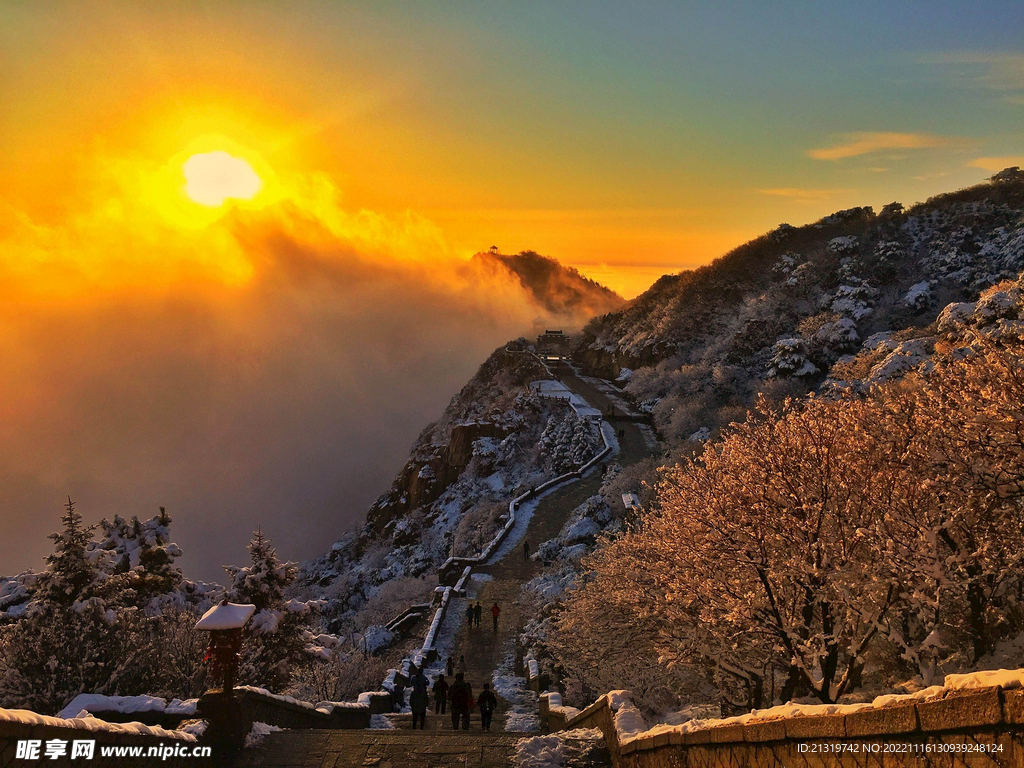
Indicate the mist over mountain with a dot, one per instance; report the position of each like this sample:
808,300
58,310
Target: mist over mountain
842,303
561,291
805,327
286,402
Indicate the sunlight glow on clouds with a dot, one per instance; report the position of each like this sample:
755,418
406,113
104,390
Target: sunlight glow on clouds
213,177
868,142
997,163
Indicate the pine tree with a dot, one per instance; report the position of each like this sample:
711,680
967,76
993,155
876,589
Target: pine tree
276,636
142,553
264,581
70,576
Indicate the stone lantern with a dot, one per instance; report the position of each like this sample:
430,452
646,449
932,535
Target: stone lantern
224,623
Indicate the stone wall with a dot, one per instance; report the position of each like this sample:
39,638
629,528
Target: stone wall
975,727
273,710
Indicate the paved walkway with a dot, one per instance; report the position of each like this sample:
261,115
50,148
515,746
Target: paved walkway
485,649
381,749
437,746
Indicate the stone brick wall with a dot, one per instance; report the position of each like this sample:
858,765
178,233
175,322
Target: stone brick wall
598,715
982,727
257,708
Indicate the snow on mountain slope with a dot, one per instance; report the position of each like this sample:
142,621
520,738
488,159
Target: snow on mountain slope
775,315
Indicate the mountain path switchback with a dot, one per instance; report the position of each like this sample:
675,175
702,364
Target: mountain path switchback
438,746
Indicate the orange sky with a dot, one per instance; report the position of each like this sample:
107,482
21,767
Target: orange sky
270,361
499,128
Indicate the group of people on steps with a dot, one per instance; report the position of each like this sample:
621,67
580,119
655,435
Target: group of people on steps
456,697
474,612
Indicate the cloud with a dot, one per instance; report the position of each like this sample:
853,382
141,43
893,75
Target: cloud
272,368
869,142
805,195
997,163
997,71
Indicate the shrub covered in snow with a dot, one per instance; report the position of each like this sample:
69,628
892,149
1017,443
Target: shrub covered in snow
568,443
790,359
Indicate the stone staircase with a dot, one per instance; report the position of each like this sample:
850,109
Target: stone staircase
443,723
438,745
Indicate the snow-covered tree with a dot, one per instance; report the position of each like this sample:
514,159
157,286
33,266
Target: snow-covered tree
567,443
814,537
143,554
70,575
278,633
72,640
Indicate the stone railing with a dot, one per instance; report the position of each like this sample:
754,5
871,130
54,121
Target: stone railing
260,706
428,652
231,716
952,726
171,748
407,618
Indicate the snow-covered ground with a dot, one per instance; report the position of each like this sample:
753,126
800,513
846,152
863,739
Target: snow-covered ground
566,749
523,715
258,733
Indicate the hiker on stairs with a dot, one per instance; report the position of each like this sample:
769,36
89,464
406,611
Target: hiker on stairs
419,698
460,697
441,695
487,703
495,612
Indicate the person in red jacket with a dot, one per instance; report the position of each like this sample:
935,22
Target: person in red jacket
495,612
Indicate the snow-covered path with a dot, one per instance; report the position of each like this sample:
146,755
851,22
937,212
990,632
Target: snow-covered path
487,651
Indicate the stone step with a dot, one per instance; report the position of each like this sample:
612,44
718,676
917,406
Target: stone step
444,723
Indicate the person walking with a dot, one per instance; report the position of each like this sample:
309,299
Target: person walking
469,614
495,612
459,697
399,691
526,553
419,698
451,666
441,695
470,703
477,612
462,666
487,704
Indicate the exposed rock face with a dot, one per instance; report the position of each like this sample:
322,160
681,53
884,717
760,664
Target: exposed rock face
445,449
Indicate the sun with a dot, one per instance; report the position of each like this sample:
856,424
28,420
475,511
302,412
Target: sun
213,177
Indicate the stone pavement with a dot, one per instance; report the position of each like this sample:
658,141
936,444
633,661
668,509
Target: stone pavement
382,749
483,648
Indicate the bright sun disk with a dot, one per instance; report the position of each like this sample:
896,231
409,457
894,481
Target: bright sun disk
213,177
